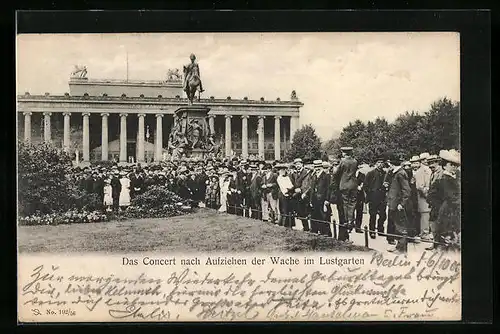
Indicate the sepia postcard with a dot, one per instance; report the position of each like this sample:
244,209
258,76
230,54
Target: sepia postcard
218,177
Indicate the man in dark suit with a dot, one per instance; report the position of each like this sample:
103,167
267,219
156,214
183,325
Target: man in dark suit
348,188
255,193
321,211
376,197
116,188
300,197
136,183
398,197
244,179
360,198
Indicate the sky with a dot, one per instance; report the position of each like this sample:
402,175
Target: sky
339,77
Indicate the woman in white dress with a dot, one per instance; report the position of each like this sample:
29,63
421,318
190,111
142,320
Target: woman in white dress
124,199
108,194
223,193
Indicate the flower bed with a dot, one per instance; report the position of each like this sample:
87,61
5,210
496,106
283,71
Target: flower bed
69,217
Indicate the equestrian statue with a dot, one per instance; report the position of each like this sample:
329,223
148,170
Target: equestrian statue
192,81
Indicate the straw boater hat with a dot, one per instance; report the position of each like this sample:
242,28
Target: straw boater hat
326,164
281,166
433,158
415,158
346,148
317,163
297,160
406,163
452,156
424,156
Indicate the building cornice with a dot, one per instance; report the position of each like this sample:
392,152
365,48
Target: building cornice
154,100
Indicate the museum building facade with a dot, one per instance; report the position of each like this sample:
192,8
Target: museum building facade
130,120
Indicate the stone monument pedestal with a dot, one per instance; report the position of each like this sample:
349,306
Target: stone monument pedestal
192,122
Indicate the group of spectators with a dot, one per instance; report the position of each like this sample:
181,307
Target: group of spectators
419,197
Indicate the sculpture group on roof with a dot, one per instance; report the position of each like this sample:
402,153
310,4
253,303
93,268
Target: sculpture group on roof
79,72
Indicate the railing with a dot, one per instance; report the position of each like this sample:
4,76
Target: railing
245,209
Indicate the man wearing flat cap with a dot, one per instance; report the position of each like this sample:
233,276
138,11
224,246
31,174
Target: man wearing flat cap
348,188
376,197
300,197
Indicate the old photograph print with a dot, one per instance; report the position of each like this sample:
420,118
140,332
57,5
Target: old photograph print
229,177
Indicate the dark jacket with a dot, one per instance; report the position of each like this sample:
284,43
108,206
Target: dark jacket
320,189
255,187
373,186
449,211
347,174
399,189
116,187
334,189
271,185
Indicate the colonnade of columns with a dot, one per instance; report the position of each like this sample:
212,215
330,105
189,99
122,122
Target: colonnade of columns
159,133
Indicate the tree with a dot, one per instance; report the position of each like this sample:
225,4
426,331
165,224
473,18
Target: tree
410,134
442,122
305,145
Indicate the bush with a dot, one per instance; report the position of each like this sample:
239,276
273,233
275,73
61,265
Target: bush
43,185
158,201
156,197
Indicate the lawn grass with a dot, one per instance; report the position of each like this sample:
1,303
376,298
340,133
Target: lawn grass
202,231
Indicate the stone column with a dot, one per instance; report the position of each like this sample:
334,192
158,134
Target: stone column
86,137
140,138
67,131
123,137
104,137
244,136
159,137
228,135
46,126
294,126
260,133
277,138
211,123
27,127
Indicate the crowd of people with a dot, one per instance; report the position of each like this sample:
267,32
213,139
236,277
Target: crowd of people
419,197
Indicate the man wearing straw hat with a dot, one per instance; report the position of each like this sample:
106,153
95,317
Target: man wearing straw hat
447,227
269,188
300,198
433,197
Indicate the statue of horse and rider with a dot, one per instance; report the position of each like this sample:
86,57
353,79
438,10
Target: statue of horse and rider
192,81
